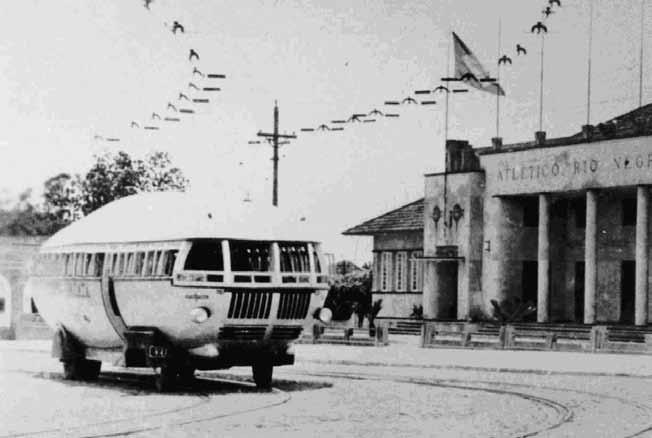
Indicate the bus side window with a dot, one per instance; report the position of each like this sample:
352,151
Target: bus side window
138,263
88,265
79,264
121,264
129,263
156,265
168,263
99,264
149,263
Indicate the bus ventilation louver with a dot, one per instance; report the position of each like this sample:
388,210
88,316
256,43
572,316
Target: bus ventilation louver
250,305
242,333
284,332
293,305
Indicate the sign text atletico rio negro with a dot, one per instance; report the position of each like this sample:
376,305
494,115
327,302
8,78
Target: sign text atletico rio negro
610,163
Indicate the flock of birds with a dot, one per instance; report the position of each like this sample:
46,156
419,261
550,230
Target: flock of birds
196,92
372,116
200,84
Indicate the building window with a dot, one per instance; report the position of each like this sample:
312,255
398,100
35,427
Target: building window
2,305
385,270
401,270
531,212
415,271
629,212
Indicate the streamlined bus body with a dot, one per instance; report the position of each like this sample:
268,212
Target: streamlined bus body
165,281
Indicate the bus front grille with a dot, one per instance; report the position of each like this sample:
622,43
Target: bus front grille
284,332
293,305
242,333
250,305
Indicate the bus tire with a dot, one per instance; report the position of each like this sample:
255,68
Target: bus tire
262,373
166,378
187,374
79,368
90,369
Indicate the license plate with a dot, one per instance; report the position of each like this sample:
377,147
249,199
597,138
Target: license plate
157,352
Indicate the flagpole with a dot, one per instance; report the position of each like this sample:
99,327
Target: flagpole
541,85
448,70
640,61
588,92
498,80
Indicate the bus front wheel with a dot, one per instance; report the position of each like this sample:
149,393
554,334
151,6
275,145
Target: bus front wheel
262,372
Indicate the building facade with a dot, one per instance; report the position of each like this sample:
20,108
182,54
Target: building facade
560,223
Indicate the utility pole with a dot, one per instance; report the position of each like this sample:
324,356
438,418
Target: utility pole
274,137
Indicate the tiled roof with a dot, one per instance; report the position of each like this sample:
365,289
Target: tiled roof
636,123
406,218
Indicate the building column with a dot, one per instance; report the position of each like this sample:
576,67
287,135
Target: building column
640,303
590,256
543,260
430,289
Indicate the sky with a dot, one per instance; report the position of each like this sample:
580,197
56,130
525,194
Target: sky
72,70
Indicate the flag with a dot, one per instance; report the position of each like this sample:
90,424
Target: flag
469,68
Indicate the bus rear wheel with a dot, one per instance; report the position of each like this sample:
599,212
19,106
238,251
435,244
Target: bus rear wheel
166,379
81,369
262,372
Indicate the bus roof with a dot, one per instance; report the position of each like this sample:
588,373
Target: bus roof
168,216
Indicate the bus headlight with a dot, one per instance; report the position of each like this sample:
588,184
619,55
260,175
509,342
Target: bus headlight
324,315
199,314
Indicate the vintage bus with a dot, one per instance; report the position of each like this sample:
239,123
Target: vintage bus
166,281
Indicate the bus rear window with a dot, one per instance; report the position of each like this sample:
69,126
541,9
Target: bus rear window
205,255
250,256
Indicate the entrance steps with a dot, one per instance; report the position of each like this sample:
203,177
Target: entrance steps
406,328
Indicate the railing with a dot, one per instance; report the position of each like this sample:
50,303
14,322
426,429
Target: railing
533,336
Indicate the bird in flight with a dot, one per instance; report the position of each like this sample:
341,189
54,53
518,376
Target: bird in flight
441,88
191,85
520,50
196,71
409,100
147,3
468,77
134,124
539,27
547,11
505,60
156,116
554,2
193,54
172,107
375,112
183,96
176,26
355,118
323,127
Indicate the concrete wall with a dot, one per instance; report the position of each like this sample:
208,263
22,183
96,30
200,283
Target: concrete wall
15,257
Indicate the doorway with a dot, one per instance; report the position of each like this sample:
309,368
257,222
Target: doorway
627,291
579,292
447,282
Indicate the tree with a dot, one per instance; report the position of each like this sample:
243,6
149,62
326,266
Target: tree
116,176
68,197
